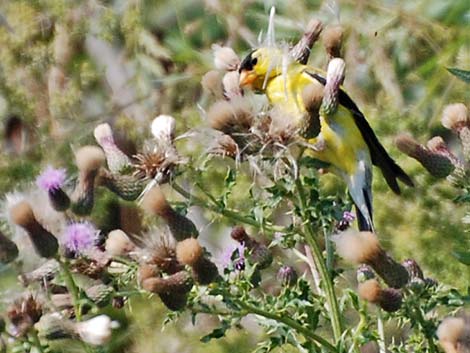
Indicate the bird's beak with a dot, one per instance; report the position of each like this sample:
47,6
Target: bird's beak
247,77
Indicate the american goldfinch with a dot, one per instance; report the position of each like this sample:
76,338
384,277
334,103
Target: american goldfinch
328,118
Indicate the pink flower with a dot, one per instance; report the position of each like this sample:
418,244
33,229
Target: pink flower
51,179
79,237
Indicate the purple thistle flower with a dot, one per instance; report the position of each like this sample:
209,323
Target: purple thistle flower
235,255
51,179
349,216
79,237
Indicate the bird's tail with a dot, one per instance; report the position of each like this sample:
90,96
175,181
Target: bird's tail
360,189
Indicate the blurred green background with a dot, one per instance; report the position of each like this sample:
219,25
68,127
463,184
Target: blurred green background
67,65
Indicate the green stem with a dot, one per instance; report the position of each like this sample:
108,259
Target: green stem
289,322
72,287
233,215
35,340
327,281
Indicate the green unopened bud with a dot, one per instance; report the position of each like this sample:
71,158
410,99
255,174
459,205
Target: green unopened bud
287,275
260,255
117,161
100,294
437,164
54,326
127,187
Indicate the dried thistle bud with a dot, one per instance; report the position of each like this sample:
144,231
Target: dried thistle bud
8,249
364,247
225,58
155,203
231,118
163,128
287,275
62,301
172,290
389,299
118,243
88,159
52,180
211,82
44,273
239,234
190,252
225,146
437,164
117,160
100,294
454,335
127,187
231,85
455,117
312,97
301,51
23,314
332,41
174,301
162,253
45,244
146,271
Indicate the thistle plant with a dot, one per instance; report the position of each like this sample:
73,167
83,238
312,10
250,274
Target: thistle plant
289,257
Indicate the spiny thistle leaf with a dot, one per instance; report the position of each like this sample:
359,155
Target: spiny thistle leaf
464,75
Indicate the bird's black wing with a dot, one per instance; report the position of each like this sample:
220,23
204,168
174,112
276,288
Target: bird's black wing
390,170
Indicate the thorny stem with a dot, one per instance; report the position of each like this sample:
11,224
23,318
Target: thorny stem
312,241
234,215
289,322
72,287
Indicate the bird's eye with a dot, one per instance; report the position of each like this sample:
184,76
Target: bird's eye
248,62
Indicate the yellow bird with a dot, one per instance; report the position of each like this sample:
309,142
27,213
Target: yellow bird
337,130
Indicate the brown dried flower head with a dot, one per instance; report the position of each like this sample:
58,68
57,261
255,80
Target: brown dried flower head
158,159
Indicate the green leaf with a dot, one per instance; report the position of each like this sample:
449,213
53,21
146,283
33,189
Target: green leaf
216,333
462,256
464,75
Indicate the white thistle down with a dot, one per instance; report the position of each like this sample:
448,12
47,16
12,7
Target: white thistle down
96,331
163,128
